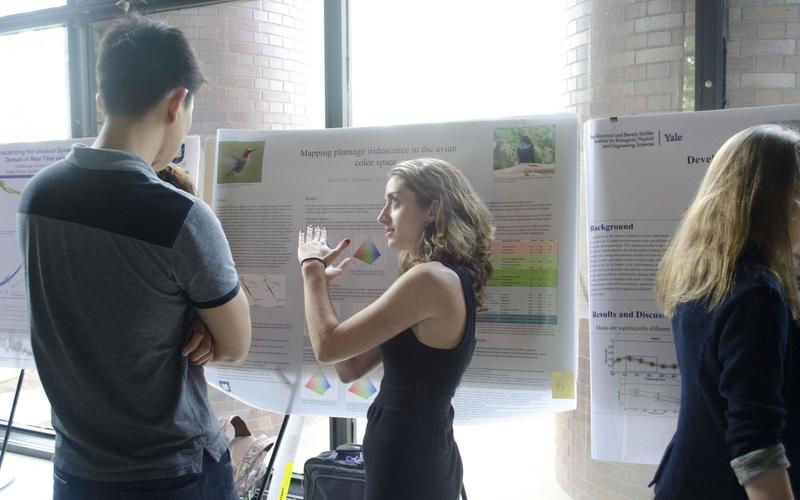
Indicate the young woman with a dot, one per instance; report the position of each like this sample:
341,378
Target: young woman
178,177
422,328
727,281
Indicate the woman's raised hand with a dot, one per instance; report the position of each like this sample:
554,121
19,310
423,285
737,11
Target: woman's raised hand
313,247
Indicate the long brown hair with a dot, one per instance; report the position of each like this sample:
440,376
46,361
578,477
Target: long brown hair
178,177
745,200
462,231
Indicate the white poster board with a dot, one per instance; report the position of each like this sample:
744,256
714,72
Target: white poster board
271,184
188,158
642,173
18,163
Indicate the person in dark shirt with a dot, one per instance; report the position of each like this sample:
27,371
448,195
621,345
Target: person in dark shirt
727,280
422,328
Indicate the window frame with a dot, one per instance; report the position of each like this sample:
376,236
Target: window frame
78,16
711,35
337,115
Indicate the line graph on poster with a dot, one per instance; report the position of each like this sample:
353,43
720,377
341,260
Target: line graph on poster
652,360
264,290
653,399
12,277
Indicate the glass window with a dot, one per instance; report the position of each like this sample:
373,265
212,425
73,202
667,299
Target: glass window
33,408
315,439
35,108
420,61
34,92
522,452
688,73
8,7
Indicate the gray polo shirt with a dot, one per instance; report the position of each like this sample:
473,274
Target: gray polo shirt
116,262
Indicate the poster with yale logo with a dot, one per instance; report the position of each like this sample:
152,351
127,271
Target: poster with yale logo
642,173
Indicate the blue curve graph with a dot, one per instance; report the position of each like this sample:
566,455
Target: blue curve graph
10,276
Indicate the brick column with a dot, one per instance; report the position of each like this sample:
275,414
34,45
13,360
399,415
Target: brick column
623,58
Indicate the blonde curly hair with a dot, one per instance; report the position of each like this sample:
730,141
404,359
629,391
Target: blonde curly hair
462,231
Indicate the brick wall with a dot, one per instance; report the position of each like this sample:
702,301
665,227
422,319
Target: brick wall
263,61
623,57
627,57
763,52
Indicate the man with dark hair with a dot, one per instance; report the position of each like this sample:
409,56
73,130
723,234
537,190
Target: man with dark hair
137,62
119,266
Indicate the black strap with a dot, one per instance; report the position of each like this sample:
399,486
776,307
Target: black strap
261,492
463,492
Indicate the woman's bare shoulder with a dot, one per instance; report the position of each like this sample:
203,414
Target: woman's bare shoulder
436,276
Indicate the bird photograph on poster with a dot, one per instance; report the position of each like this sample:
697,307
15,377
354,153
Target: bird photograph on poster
239,162
521,152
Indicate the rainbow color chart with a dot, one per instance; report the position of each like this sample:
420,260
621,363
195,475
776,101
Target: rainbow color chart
318,383
363,387
524,284
525,264
367,252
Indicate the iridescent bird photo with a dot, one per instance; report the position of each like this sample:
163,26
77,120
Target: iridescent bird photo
238,165
526,151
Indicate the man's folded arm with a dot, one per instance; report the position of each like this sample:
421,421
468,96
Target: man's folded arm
230,328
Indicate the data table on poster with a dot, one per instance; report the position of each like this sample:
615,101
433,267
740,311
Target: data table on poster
524,283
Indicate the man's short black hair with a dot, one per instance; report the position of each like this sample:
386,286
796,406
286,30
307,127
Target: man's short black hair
139,61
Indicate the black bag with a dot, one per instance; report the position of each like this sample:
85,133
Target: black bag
338,475
335,475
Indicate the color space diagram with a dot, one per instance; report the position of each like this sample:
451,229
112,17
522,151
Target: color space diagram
370,255
363,388
367,252
318,385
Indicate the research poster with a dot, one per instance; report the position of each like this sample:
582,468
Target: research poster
641,175
270,184
188,158
18,163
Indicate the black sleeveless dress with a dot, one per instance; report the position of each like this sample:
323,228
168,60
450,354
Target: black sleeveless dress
409,450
